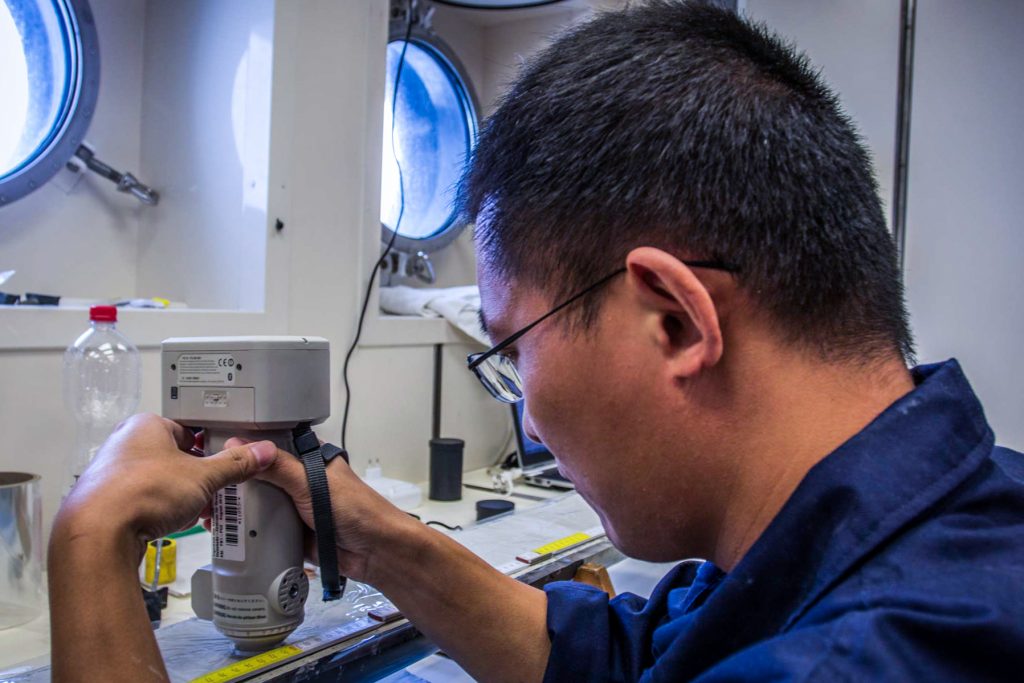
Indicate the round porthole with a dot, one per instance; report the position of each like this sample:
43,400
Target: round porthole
430,138
49,81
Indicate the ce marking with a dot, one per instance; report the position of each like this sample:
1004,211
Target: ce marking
226,362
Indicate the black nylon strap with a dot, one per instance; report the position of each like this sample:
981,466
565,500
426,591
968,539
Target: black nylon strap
330,452
308,448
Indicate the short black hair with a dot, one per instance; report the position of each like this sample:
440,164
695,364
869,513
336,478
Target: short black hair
682,126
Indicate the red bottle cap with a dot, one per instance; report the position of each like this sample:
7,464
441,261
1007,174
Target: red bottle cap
103,314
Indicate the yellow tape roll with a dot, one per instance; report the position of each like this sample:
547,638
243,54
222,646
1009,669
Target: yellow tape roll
168,561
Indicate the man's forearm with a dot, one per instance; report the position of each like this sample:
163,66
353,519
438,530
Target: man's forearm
494,626
99,627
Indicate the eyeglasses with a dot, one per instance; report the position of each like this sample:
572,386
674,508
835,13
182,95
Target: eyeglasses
498,373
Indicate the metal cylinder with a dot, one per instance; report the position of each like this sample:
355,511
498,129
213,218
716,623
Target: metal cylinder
21,548
259,588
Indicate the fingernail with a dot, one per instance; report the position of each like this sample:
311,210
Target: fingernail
265,453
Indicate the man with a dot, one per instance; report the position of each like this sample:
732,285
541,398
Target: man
684,260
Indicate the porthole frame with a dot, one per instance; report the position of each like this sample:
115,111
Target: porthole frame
430,41
76,113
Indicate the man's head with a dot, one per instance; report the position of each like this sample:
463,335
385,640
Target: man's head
665,132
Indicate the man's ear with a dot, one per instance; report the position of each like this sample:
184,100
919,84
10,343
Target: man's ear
686,324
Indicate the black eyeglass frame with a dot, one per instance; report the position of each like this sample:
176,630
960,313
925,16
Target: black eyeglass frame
474,360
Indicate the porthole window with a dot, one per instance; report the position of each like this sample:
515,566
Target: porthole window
49,79
434,130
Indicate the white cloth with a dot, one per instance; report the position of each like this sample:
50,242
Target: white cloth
460,306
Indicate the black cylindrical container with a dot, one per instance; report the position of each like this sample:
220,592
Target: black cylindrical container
492,507
446,469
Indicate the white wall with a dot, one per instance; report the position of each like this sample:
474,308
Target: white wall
205,144
965,206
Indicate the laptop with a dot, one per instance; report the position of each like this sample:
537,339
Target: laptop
536,461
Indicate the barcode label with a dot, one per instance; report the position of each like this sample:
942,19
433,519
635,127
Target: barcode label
231,515
229,524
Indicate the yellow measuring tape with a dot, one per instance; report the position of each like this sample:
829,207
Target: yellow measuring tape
247,666
563,543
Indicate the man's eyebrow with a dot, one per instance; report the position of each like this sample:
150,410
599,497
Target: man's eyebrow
483,320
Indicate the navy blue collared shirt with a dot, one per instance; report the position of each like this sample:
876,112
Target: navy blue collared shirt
899,557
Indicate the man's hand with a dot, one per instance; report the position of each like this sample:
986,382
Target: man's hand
142,485
145,481
363,519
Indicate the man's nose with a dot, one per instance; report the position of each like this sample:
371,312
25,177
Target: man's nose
528,428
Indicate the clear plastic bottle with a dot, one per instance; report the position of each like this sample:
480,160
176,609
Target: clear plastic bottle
102,384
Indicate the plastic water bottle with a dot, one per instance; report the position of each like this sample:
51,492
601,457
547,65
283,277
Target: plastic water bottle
102,384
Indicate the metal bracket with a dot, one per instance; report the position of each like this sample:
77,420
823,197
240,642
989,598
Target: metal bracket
400,10
418,265
126,182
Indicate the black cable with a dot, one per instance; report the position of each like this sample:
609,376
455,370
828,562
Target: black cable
394,233
510,460
435,522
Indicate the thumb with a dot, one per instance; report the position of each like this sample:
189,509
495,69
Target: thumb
238,463
287,473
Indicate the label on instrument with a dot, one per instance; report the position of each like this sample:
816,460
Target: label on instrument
229,524
240,610
215,398
206,369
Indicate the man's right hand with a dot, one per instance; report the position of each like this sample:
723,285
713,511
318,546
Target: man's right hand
363,519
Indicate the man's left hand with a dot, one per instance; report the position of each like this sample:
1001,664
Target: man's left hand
144,481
